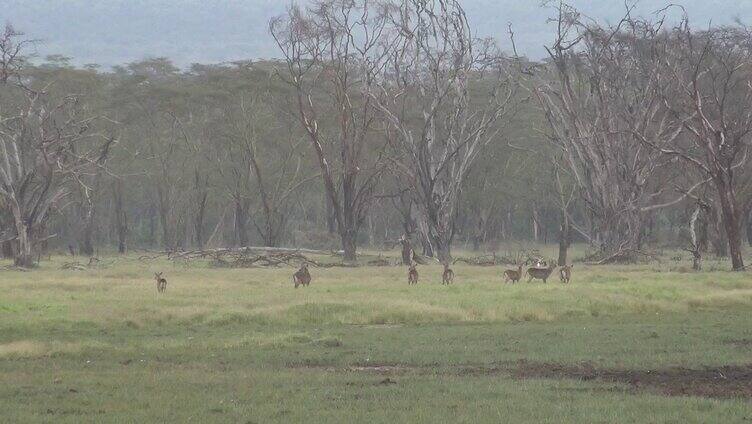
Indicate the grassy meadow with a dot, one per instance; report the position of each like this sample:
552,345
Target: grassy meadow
642,343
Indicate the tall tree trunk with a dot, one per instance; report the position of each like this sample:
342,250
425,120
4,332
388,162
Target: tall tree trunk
702,228
348,229
564,239
87,235
719,240
331,219
181,232
407,250
23,253
90,208
425,243
731,221
241,218
349,246
121,218
152,225
165,209
480,230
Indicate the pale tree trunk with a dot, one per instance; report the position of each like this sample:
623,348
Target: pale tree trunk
23,255
331,219
87,235
407,250
564,239
694,250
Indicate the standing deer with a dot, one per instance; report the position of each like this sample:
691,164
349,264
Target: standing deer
565,273
540,273
412,275
161,282
302,277
513,275
448,275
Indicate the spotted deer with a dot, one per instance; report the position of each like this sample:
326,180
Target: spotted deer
540,273
513,275
161,282
412,275
565,273
448,275
302,277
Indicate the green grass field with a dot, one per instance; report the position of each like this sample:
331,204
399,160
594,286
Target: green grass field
647,343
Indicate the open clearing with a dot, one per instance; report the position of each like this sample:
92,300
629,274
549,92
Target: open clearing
647,343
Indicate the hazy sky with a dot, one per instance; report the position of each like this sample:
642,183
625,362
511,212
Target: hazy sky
111,32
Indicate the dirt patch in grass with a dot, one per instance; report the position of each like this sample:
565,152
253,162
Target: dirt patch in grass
740,343
719,382
727,382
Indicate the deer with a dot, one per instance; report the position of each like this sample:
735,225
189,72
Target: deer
412,275
302,277
161,282
565,273
540,273
513,275
448,275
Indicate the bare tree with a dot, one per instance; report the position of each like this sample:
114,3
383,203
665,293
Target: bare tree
12,45
266,153
327,50
432,69
706,89
600,94
47,141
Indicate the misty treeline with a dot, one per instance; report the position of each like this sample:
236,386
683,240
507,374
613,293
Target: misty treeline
383,119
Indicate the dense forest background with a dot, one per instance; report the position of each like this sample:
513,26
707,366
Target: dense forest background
152,156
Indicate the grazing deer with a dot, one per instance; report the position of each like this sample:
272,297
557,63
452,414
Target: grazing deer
540,273
412,275
513,275
448,275
565,273
302,277
161,282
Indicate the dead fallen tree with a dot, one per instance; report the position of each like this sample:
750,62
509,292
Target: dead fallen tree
248,250
623,256
262,257
249,257
483,260
78,266
244,260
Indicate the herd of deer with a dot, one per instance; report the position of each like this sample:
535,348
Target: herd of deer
540,271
